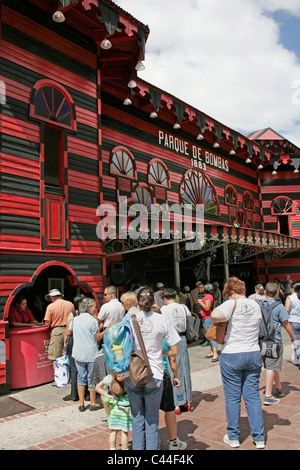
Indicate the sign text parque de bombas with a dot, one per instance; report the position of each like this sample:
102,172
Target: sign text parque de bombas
199,157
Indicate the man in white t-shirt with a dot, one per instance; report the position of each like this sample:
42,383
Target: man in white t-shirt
112,309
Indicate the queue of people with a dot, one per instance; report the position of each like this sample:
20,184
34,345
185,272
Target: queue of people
78,329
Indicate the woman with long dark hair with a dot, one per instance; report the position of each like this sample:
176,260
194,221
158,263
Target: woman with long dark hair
145,400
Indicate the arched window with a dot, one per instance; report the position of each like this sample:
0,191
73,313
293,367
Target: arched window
51,102
282,205
248,201
157,173
142,196
122,163
241,220
231,201
230,197
53,106
197,188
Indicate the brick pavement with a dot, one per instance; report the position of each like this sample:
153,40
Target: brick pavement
204,427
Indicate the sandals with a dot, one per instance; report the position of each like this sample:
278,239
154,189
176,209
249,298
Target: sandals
94,408
81,408
209,356
215,359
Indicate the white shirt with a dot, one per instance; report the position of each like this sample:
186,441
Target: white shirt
243,325
295,308
112,310
257,296
176,314
154,327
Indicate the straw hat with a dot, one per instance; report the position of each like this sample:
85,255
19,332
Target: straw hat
53,293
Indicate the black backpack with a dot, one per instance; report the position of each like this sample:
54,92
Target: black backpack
192,326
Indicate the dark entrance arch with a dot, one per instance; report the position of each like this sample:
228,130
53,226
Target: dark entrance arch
47,276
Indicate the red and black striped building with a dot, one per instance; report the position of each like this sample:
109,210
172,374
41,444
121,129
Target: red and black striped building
74,136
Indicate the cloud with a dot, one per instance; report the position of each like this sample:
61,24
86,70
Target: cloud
225,58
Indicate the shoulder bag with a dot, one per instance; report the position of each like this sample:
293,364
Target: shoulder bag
140,372
216,332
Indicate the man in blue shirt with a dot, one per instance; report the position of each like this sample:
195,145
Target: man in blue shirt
273,366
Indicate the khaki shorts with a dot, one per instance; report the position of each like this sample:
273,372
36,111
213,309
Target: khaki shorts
56,343
274,364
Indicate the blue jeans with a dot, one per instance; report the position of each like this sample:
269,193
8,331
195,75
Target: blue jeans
144,404
296,329
240,375
182,394
207,323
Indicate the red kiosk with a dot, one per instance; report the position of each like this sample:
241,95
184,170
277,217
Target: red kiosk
29,363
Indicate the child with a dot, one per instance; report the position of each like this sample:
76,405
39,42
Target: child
117,407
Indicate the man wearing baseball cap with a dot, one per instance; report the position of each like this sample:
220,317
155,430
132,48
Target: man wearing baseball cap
56,318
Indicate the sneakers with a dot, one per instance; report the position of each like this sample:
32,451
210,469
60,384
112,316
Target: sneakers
259,444
271,400
177,444
231,442
279,392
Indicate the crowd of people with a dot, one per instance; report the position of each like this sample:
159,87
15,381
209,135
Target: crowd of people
77,329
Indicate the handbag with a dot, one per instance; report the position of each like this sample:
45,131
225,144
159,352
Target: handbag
216,332
140,372
294,358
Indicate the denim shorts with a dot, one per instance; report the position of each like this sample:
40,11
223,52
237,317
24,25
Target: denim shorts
167,399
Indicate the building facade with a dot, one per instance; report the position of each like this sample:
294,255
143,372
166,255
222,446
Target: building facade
84,140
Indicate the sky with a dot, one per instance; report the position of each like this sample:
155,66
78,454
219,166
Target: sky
237,61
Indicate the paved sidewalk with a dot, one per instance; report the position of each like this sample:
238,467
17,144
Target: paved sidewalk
56,424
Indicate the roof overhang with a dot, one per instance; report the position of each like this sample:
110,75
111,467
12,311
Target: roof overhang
242,243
